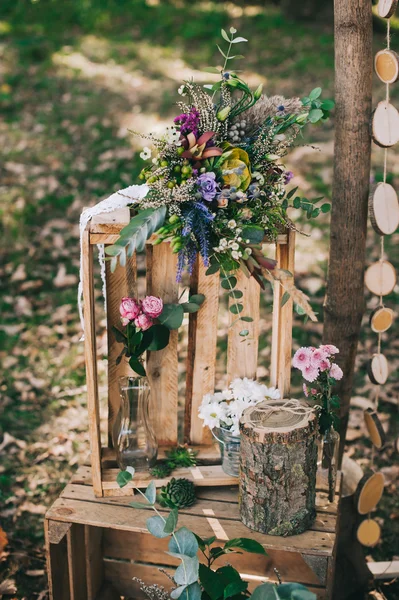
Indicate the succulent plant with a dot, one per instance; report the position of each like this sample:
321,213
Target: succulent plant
181,456
161,470
178,493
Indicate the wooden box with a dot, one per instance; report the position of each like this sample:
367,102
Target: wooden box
95,546
162,366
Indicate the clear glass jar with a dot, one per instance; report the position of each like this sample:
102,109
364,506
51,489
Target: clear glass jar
133,435
230,451
327,467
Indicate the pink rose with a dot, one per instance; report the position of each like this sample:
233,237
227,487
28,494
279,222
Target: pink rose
302,358
329,348
336,372
129,309
152,306
310,373
143,321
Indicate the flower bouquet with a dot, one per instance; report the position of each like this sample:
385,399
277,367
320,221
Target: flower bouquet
147,326
320,370
217,186
221,412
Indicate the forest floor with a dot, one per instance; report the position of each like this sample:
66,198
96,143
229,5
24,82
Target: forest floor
74,78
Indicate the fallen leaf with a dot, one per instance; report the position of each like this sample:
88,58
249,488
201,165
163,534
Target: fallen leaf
3,539
8,587
35,573
62,280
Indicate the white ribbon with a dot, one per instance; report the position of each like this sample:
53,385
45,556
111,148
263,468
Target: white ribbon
120,199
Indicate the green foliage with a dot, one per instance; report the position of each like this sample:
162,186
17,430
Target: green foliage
319,110
133,237
308,206
177,493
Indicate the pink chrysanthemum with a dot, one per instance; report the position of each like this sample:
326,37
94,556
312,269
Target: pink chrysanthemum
310,373
336,372
324,364
302,358
318,357
329,349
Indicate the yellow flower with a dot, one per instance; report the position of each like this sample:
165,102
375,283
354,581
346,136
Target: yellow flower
236,168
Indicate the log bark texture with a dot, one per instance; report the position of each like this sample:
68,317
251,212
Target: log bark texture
344,303
278,477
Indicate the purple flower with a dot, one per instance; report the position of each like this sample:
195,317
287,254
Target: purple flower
207,186
188,122
288,175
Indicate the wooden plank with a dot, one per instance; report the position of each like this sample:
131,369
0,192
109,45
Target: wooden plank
242,352
125,518
223,510
280,370
212,475
93,555
201,353
77,562
162,365
57,566
384,569
91,362
111,222
122,282
121,575
57,531
206,455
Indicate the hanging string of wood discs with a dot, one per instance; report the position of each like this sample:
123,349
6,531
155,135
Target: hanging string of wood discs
380,277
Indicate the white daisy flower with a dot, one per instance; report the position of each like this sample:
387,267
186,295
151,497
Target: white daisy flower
146,153
231,224
212,414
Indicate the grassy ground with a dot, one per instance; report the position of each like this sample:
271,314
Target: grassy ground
74,77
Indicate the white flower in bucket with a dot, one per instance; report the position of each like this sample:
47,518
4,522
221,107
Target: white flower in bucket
222,411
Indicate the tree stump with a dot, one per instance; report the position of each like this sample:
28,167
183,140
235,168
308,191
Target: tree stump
278,469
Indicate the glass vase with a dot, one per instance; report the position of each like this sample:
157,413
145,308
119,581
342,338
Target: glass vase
229,449
327,466
133,435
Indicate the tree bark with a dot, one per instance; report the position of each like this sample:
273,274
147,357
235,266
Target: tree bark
344,303
277,475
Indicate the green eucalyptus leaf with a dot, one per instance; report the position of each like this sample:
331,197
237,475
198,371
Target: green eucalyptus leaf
296,203
190,307
137,366
244,332
185,542
291,193
187,572
265,591
253,233
160,337
247,319
171,521
236,308
172,316
151,492
212,269
237,294
119,335
294,591
229,283
197,299
123,478
155,526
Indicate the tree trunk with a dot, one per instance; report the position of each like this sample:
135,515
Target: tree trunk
278,458
344,303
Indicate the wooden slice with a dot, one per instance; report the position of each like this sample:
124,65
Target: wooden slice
381,319
378,369
386,65
380,278
369,492
386,8
369,533
374,427
385,125
384,209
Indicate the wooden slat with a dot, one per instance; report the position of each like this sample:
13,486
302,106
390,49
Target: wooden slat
125,518
111,222
122,282
91,362
384,569
280,372
57,566
162,365
77,562
93,555
242,352
205,455
201,353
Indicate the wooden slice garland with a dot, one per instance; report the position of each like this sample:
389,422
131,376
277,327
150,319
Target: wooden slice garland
369,492
374,427
385,125
369,533
386,8
386,65
380,278
381,319
384,209
378,369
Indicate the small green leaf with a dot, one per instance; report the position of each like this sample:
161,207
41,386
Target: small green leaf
171,521
237,40
212,269
155,526
236,308
297,202
285,298
123,478
229,283
185,542
325,208
237,294
160,337
172,316
197,299
299,310
224,35
190,307
137,366
291,193
235,588
328,104
119,335
247,319
244,332
246,544
151,492
315,212
314,94
221,51
315,115
211,70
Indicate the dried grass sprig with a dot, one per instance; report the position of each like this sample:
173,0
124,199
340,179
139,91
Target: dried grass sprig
286,282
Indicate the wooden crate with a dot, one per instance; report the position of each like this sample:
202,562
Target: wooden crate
95,546
162,366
